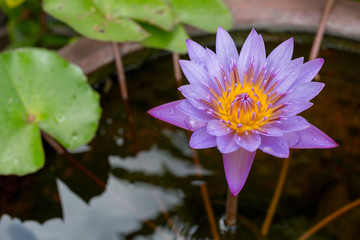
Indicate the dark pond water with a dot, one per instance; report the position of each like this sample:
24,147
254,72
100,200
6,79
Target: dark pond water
156,193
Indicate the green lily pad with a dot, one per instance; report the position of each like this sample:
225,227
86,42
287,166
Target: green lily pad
41,91
207,15
111,20
172,41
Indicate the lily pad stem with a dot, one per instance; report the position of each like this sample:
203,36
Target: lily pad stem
321,29
124,93
329,218
275,200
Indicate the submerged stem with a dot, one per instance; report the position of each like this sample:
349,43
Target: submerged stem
275,200
321,29
231,209
177,70
329,218
124,93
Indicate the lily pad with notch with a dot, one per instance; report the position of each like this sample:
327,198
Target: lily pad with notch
40,91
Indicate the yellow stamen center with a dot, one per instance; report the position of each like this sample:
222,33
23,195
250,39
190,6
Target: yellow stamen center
248,105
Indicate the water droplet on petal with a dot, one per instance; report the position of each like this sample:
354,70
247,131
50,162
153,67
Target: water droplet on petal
268,149
190,123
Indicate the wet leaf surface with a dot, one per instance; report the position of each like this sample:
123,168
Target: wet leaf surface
40,91
114,20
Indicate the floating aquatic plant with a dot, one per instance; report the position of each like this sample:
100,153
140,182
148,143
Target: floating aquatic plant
42,92
243,102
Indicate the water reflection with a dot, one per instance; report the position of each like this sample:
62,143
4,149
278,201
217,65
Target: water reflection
107,216
156,162
119,211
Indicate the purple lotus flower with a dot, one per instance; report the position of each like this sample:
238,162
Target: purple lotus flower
244,102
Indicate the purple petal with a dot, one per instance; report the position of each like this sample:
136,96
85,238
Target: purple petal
196,52
195,74
226,143
276,146
291,124
187,108
296,108
312,137
287,75
225,47
271,130
217,128
237,167
249,142
292,138
281,55
308,71
214,68
200,139
253,49
169,113
305,92
192,123
194,94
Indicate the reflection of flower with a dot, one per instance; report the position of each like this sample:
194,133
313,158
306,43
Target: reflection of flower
240,103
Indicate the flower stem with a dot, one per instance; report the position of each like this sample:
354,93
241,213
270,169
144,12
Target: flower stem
276,197
231,209
329,218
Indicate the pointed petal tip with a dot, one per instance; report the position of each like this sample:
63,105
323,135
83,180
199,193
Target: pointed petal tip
334,145
151,112
253,31
237,166
330,143
313,137
318,62
289,43
190,42
221,31
234,192
220,28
